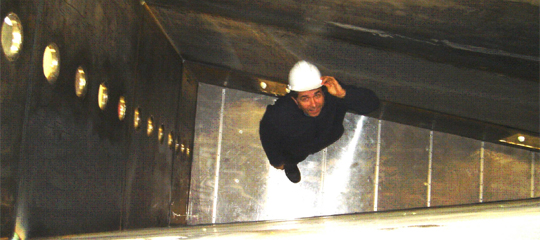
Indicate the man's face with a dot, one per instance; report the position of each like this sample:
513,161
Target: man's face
311,102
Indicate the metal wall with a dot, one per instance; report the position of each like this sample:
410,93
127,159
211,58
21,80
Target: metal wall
377,165
71,167
156,166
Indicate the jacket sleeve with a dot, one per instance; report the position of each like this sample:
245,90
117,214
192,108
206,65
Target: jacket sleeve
360,100
271,140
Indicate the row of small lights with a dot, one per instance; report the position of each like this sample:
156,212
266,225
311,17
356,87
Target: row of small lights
12,40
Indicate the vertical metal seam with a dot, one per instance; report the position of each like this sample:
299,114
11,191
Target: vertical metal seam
377,163
218,157
323,173
481,187
532,175
430,170
162,29
22,189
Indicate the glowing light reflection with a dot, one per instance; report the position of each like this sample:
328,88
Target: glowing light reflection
12,36
8,21
168,238
286,200
103,96
337,180
80,82
51,62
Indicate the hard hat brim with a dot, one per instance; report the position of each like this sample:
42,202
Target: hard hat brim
306,88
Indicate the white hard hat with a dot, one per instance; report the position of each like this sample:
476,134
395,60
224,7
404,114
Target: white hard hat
304,76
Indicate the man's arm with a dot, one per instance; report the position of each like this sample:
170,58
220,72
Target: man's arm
360,100
333,86
270,140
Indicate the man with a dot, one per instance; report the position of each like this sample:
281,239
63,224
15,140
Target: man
309,118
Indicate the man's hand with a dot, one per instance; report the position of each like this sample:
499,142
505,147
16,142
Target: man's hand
333,86
280,167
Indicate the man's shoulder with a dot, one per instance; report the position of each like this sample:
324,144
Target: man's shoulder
281,105
283,112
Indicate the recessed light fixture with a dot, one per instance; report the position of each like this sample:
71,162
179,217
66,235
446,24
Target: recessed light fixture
161,131
51,62
122,107
150,126
80,82
272,87
523,140
170,140
177,144
12,36
137,118
103,96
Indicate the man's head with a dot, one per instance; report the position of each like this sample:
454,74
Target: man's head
305,84
310,102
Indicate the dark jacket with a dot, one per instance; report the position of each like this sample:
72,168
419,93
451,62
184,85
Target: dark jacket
288,136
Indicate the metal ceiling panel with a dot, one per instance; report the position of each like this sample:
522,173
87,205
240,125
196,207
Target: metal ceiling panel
474,60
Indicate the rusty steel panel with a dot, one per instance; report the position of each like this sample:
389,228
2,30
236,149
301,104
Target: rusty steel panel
403,166
507,173
456,170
